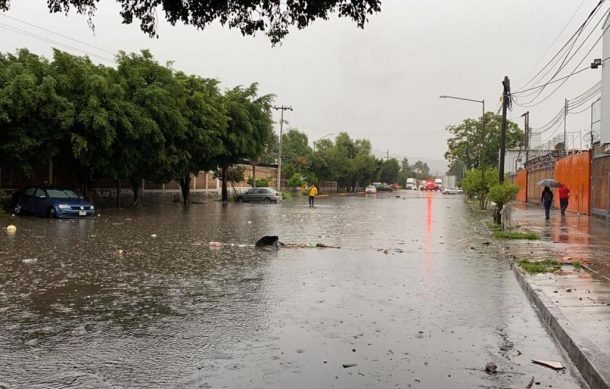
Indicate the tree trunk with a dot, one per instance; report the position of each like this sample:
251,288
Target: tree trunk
225,194
118,194
253,174
135,186
498,214
185,186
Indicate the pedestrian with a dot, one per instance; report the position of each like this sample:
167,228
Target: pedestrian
547,200
312,192
564,196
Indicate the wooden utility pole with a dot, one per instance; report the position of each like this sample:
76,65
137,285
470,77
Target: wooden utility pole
505,105
281,108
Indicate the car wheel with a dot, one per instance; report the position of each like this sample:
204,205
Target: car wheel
267,200
240,199
52,213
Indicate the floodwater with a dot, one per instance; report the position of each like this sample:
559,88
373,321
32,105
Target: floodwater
414,297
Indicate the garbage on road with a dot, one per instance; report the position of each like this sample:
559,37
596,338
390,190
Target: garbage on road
491,368
552,364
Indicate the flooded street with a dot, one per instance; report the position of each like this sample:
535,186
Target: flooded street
414,297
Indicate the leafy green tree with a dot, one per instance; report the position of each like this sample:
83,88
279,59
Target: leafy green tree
162,100
457,168
205,112
477,145
502,194
296,180
422,170
34,116
390,170
271,17
248,131
296,153
477,183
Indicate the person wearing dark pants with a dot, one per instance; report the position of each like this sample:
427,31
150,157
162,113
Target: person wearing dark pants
564,196
312,192
547,200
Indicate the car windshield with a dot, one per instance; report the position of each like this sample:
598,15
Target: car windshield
61,194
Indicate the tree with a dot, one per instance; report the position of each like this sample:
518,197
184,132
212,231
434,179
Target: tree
390,170
296,153
502,194
248,130
422,170
34,116
205,112
273,17
476,146
477,183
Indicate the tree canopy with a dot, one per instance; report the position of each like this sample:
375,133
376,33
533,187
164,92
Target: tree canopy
273,17
476,145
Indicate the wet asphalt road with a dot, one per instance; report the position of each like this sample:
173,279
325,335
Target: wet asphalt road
414,298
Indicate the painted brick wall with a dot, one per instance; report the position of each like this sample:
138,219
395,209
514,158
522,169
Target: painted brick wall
575,171
599,183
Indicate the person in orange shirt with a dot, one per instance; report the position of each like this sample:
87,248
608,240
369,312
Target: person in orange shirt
564,196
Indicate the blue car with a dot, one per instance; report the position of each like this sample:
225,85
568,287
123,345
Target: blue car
53,203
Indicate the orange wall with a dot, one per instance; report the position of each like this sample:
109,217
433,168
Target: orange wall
575,172
521,181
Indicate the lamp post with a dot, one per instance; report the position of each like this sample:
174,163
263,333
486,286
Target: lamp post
319,139
482,102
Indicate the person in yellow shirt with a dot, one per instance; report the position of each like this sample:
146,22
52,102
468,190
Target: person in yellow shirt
312,192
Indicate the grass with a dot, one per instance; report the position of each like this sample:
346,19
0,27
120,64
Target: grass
286,195
577,265
499,234
546,266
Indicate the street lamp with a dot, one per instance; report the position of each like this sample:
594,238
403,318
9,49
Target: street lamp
482,102
319,139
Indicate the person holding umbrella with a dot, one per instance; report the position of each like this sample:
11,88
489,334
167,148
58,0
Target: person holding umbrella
547,200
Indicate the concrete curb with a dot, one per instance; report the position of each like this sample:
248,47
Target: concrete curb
555,321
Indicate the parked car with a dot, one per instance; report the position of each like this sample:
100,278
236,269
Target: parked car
451,191
370,189
384,188
266,195
52,202
395,186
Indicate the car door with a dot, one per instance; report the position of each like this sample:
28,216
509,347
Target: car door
26,200
39,202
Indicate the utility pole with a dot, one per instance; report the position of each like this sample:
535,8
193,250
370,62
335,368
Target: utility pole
526,141
281,108
565,121
387,155
505,105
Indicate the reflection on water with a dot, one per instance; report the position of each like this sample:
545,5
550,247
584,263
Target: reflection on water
138,298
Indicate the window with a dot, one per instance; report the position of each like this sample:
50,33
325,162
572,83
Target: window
29,191
40,193
61,194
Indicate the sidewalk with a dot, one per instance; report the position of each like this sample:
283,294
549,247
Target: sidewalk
574,303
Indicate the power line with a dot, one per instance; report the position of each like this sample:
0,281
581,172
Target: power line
53,42
58,34
556,38
571,41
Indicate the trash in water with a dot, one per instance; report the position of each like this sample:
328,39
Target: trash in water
348,365
268,241
29,260
215,244
11,229
552,364
153,235
491,368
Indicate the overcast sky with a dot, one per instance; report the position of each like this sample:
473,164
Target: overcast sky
382,83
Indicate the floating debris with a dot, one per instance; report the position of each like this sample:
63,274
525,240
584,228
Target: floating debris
552,364
11,229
